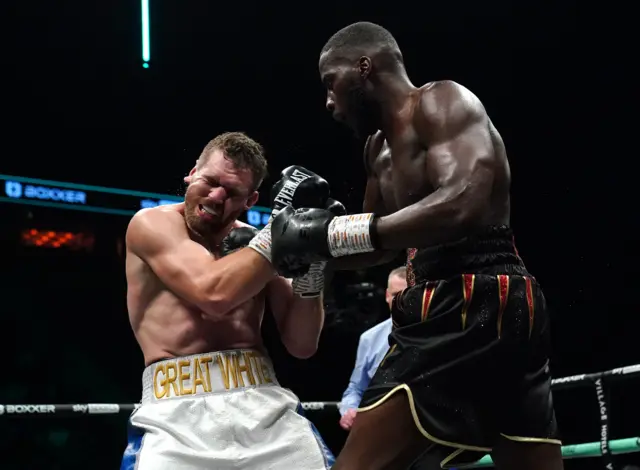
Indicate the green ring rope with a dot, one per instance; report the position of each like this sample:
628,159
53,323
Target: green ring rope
588,449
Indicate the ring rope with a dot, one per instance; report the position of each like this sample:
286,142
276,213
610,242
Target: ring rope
108,408
603,448
588,449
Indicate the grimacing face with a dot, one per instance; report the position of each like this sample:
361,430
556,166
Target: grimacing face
217,194
347,98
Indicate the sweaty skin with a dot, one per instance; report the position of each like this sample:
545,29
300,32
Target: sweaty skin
170,320
443,173
437,172
440,174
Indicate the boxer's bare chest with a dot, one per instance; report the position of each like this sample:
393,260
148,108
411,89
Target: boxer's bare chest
400,167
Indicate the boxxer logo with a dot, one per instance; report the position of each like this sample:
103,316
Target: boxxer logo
18,409
13,189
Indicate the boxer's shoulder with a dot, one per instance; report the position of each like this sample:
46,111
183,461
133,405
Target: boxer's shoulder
166,214
153,223
438,100
444,106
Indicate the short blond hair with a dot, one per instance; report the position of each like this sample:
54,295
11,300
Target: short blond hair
242,150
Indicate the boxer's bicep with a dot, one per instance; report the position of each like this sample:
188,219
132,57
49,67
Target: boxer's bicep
162,242
460,165
454,127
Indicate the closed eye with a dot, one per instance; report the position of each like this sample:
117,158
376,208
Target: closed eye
328,81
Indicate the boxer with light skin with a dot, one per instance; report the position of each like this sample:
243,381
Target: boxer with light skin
198,280
467,373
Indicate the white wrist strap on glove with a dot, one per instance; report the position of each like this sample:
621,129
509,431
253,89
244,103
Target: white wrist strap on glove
262,242
311,284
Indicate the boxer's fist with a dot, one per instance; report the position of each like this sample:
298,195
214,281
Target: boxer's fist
299,238
237,238
298,187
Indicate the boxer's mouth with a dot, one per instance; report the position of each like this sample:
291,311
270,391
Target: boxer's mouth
208,210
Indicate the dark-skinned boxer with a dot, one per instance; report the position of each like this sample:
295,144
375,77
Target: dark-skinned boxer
467,371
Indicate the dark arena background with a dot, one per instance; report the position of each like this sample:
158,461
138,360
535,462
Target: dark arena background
108,104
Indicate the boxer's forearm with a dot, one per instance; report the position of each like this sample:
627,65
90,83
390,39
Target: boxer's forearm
235,279
302,326
436,219
362,260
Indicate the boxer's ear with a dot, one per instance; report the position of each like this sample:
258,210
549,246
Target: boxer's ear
187,179
364,66
252,200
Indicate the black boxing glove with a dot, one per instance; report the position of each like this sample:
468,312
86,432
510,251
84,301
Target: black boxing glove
237,238
298,187
335,207
311,284
304,236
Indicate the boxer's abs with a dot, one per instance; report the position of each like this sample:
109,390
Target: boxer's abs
165,326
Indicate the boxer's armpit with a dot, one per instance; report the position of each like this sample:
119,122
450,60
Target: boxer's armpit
188,270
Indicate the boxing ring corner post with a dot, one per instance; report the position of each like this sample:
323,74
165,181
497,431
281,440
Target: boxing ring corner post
588,449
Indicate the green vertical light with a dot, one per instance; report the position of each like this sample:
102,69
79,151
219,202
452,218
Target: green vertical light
146,38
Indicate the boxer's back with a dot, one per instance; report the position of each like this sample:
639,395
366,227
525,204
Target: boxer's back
167,326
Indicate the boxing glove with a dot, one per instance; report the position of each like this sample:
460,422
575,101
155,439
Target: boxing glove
311,284
237,238
297,186
305,236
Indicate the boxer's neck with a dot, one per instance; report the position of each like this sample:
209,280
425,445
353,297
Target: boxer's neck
394,95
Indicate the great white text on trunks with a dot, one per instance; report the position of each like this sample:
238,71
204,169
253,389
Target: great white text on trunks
183,376
285,195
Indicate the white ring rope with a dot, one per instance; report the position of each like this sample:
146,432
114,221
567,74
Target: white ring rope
113,408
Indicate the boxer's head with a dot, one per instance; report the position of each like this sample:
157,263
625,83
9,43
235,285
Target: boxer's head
224,182
351,65
397,283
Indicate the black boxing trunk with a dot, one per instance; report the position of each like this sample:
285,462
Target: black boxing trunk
470,347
